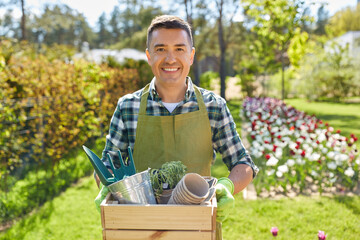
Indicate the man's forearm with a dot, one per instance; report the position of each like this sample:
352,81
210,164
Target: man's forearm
241,175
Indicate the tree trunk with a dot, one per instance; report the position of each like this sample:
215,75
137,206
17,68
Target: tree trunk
222,52
23,21
282,76
189,17
195,67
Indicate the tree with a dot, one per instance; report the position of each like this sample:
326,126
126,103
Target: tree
114,24
224,8
344,21
275,22
193,10
322,19
23,15
62,25
104,35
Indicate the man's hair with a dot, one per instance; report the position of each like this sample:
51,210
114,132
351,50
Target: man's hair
168,22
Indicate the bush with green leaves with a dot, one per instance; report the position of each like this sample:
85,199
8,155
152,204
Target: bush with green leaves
49,106
207,79
327,74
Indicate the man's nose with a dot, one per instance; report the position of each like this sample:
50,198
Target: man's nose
170,57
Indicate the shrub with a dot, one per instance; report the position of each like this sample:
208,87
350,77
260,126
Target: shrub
48,107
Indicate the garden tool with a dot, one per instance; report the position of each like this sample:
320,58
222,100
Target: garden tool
105,176
125,170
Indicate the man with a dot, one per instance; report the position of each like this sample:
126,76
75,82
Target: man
173,120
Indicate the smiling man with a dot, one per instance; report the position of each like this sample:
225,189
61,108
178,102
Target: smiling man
171,119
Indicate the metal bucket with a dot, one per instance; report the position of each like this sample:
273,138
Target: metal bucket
136,189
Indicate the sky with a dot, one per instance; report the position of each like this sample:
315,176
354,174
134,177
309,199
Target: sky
92,9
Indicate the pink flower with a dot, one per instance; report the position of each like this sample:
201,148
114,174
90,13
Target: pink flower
321,235
275,230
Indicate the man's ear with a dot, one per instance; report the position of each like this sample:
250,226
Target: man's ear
192,55
148,55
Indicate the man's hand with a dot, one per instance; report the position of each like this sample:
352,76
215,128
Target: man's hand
225,199
101,196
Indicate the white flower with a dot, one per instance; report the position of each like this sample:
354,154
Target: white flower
328,144
256,144
292,145
321,137
270,172
349,172
283,168
332,165
278,153
331,155
313,173
279,174
300,161
324,150
314,157
343,157
332,180
331,175
357,161
272,161
290,162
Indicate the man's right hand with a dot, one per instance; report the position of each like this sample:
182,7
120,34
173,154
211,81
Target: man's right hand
101,196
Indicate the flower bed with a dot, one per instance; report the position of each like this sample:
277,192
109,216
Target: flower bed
297,152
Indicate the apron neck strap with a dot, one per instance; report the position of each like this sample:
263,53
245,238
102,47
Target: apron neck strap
145,94
199,99
144,97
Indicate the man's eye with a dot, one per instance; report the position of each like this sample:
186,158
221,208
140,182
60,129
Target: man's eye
160,49
180,49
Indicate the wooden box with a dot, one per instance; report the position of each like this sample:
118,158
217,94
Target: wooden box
158,221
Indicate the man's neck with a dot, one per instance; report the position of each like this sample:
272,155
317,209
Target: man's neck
171,93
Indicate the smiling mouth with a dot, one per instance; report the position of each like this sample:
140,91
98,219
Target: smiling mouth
170,69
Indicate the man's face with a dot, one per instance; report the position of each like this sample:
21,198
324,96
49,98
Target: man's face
170,55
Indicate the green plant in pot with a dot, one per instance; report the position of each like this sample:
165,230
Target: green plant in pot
164,179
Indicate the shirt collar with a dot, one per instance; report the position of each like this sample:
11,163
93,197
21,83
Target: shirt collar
155,96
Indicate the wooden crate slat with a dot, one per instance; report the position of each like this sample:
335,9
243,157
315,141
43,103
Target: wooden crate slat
169,217
156,235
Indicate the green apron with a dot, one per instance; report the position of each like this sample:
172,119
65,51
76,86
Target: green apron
184,137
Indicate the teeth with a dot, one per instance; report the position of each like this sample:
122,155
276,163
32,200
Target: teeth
170,69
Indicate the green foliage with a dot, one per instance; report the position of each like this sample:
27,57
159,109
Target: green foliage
274,85
170,173
343,21
50,107
207,79
328,74
297,48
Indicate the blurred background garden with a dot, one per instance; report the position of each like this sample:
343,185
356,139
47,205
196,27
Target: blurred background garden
289,70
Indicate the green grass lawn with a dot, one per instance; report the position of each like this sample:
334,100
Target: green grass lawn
72,215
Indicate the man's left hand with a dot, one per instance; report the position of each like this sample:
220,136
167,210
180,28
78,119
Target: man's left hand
225,198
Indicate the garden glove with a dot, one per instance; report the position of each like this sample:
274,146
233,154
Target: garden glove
225,200
101,196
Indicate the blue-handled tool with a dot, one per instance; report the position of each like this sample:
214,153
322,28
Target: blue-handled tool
101,170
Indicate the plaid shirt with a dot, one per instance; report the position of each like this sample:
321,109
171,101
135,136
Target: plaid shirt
225,138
